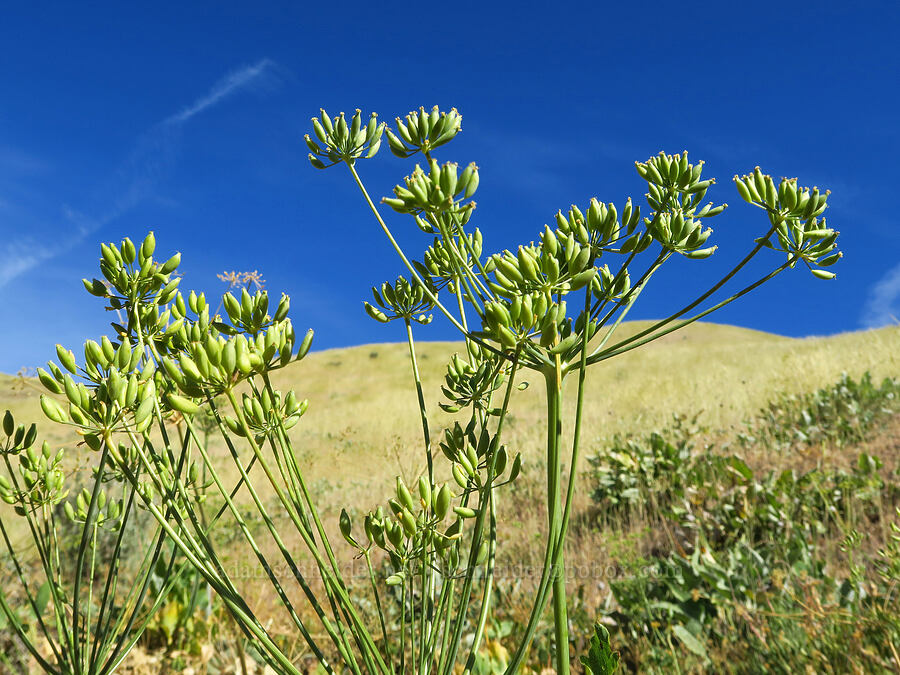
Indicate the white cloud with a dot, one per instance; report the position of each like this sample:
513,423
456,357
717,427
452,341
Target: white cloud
882,306
133,181
17,257
228,85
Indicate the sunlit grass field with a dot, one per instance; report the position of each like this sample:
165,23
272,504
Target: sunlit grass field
362,427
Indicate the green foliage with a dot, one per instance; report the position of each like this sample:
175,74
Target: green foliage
600,659
743,570
842,414
636,475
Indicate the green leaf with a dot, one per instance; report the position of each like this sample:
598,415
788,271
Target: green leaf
690,641
739,467
43,597
600,659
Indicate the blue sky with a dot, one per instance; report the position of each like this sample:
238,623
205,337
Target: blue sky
187,119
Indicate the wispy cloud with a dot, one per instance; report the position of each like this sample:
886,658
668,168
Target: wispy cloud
882,306
134,180
233,82
17,257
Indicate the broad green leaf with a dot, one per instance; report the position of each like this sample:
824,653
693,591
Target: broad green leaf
690,641
600,659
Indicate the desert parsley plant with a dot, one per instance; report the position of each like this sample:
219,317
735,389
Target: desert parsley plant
552,308
146,399
84,569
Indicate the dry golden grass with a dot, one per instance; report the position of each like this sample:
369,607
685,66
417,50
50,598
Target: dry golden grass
362,427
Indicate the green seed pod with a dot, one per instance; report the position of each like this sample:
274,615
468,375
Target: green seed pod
829,260
183,405
581,279
49,383
109,352
506,338
527,264
233,425
500,460
190,369
144,410
701,254
482,555
373,530
394,579
375,313
77,416
408,522
404,496
823,274
148,246
232,307
284,306
131,391
229,358
171,265
128,251
516,467
464,512
53,410
123,354
442,502
459,476
30,437
395,534
172,371
109,255
201,360
95,287
565,344
66,358
93,441
259,415
305,344
425,490
9,424
345,526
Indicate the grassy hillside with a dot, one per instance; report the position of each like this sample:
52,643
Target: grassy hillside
363,417
362,428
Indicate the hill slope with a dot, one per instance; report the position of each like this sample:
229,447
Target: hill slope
363,417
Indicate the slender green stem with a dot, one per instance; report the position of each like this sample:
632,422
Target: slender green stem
93,509
331,576
687,308
426,434
235,603
554,432
412,270
634,342
377,594
13,618
552,379
266,566
485,495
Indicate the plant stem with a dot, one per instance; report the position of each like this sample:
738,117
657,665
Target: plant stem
554,478
412,270
421,397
